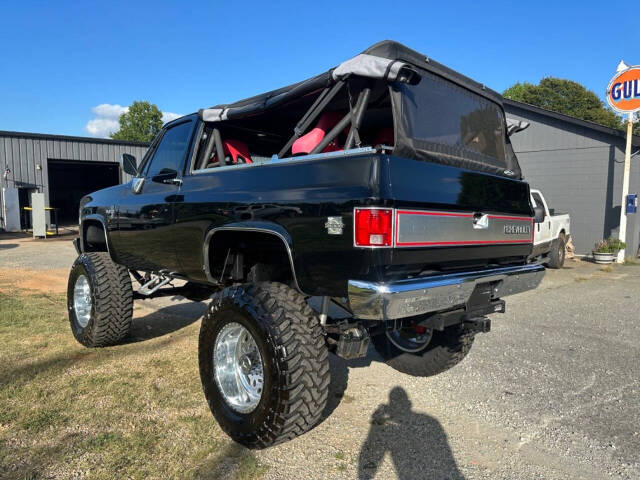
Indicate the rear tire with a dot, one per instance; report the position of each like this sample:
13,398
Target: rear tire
446,349
99,300
557,253
293,374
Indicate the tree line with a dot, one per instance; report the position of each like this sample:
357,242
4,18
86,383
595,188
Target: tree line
569,98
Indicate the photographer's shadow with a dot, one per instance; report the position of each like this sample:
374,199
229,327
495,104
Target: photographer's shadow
417,443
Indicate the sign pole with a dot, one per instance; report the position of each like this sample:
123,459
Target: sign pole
625,188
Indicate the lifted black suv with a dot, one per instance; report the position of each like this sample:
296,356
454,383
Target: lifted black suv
378,201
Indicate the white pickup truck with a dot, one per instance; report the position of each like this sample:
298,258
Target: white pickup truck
550,235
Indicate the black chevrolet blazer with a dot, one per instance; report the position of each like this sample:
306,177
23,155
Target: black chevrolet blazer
380,201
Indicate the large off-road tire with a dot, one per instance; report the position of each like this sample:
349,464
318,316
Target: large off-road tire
557,253
287,393
99,300
445,350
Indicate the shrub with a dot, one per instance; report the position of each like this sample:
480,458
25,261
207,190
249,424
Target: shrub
610,245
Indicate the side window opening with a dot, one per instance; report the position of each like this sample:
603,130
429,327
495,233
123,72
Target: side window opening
258,137
171,152
239,146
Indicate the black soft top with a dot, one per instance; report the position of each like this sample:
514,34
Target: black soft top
382,60
441,117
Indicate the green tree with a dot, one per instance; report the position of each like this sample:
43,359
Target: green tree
140,123
565,96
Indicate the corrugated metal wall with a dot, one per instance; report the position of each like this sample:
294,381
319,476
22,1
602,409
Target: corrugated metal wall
579,170
23,153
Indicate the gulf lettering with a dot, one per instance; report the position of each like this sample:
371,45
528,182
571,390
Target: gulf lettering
627,90
615,91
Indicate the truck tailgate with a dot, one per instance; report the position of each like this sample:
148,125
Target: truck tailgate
446,206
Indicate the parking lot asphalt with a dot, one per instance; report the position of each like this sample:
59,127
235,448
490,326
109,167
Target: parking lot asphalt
553,391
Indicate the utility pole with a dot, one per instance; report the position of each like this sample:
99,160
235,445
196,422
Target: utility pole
625,188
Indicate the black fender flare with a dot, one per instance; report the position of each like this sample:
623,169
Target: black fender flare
270,228
96,218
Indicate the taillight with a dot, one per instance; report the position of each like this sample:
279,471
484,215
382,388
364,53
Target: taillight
373,227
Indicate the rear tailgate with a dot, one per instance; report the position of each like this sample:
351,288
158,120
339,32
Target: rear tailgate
437,207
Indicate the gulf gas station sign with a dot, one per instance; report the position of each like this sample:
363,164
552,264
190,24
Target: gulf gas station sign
623,93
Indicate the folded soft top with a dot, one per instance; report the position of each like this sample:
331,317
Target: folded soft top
438,115
384,60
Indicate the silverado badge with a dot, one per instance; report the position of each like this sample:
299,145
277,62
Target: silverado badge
334,225
511,229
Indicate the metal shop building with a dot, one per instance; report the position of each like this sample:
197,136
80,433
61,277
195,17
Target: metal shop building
578,166
63,168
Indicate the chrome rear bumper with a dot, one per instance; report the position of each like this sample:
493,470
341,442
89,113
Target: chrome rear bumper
417,296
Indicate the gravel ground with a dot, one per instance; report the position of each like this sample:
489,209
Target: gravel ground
23,252
552,392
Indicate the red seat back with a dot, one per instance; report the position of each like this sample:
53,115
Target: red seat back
306,143
237,150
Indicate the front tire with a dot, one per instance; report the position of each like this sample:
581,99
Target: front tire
99,300
273,392
444,350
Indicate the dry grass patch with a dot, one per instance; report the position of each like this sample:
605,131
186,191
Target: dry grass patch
25,281
131,411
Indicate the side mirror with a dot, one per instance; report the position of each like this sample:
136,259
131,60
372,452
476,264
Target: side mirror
538,214
129,164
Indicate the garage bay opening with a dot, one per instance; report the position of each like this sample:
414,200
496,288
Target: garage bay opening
70,180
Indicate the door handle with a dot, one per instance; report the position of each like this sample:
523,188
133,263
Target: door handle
173,181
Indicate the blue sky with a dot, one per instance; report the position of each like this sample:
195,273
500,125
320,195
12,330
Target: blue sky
61,60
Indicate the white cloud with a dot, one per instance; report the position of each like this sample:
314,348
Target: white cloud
101,127
109,111
105,121
168,116
107,116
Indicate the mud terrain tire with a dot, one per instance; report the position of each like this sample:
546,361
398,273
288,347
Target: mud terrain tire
446,349
109,300
294,356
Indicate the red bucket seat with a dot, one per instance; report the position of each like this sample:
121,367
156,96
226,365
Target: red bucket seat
306,143
237,150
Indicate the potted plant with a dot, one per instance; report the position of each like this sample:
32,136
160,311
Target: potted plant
606,251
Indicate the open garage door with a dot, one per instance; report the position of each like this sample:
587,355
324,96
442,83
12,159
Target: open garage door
70,180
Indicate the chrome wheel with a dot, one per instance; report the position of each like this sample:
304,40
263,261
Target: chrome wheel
82,300
238,368
409,340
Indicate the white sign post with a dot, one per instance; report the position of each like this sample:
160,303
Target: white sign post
625,188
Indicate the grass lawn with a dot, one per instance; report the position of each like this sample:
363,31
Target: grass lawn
131,411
